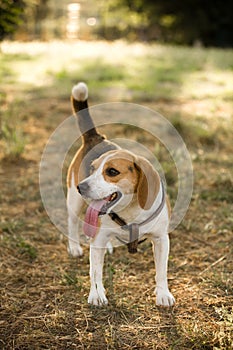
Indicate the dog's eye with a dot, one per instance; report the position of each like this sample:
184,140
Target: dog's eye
112,172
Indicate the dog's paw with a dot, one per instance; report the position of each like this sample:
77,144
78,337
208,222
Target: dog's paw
97,297
75,250
164,298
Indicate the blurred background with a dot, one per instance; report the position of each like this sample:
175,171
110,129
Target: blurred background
192,22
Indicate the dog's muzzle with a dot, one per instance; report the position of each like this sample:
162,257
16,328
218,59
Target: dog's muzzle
83,188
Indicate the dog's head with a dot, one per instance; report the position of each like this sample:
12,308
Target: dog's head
118,178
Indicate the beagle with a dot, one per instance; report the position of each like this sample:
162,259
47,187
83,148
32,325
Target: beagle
125,198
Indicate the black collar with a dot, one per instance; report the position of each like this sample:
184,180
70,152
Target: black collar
134,228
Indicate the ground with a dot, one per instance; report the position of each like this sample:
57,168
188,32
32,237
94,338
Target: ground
43,290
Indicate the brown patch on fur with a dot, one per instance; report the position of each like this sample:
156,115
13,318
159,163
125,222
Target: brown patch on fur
149,183
127,178
75,169
168,207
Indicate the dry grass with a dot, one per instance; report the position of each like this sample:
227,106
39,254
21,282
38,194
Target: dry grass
44,291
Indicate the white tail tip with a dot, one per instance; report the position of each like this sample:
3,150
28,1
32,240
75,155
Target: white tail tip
80,92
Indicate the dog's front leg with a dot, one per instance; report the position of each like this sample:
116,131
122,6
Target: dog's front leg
97,291
161,251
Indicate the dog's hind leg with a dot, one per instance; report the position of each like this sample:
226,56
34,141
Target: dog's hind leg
74,206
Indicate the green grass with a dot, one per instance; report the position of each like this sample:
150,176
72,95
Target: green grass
221,190
71,279
162,73
12,238
11,133
26,249
194,132
11,226
139,71
14,141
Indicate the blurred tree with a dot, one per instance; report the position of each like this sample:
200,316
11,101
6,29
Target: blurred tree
10,16
117,19
181,22
187,21
34,17
41,11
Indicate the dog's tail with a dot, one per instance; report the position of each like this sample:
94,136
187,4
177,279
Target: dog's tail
79,99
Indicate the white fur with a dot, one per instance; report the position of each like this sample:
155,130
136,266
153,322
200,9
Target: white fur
74,206
97,292
80,92
99,188
158,228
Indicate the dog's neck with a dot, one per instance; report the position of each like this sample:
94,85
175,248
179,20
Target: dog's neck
132,212
128,208
134,227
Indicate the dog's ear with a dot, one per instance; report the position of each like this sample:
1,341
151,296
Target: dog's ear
148,183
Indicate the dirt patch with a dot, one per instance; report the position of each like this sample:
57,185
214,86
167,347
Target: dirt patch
44,292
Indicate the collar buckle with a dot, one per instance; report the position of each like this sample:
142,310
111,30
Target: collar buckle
133,237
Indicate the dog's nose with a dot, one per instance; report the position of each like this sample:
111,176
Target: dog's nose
83,188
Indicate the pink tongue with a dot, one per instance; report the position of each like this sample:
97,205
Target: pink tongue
90,226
